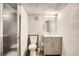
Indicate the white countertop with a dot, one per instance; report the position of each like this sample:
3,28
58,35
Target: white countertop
52,35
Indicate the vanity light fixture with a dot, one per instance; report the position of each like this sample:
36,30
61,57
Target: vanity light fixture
50,14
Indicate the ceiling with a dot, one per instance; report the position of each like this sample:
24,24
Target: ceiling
43,7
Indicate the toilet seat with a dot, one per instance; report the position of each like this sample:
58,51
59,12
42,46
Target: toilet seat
32,47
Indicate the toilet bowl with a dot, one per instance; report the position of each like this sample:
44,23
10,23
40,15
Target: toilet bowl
32,46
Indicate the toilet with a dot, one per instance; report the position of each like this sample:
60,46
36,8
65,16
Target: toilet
32,46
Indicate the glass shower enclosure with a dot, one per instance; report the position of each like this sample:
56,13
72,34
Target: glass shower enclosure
9,29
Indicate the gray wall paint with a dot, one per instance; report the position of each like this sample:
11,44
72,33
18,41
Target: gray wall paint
68,27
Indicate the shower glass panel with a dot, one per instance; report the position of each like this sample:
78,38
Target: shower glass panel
9,29
1,30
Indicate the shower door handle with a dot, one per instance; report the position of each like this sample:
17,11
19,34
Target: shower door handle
18,38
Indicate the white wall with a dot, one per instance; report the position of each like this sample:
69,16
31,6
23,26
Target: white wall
35,26
24,30
68,27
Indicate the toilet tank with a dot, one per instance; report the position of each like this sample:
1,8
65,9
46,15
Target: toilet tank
33,39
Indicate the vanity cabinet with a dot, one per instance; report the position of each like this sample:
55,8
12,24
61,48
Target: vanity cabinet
52,46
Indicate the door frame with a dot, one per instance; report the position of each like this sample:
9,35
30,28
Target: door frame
18,29
1,29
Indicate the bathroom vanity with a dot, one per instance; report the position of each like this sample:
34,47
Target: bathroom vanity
52,46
